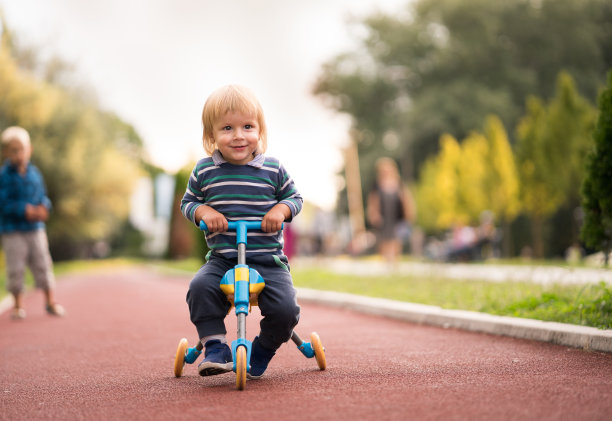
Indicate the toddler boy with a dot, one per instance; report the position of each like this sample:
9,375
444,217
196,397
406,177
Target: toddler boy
24,208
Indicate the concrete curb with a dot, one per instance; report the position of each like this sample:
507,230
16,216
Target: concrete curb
588,338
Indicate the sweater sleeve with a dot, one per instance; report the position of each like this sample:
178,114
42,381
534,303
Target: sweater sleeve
192,199
288,193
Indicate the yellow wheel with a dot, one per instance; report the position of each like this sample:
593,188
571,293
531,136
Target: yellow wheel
179,359
241,367
319,351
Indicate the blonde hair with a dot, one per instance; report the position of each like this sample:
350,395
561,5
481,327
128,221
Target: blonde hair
16,133
231,98
388,167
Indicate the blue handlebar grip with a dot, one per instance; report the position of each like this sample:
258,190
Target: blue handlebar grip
203,226
233,225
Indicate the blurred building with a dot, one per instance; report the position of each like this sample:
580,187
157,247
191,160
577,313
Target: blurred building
150,211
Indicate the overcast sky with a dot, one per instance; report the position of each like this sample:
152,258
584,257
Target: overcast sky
155,62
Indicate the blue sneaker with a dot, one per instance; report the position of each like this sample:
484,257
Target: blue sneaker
217,359
260,358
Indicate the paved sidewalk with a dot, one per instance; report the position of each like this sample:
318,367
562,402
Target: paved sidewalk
489,272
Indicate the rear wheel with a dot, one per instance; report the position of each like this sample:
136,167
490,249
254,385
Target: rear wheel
179,359
319,351
241,367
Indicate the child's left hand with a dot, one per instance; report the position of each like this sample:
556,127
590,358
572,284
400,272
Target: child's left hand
43,213
273,220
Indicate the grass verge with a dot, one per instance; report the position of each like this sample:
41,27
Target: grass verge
587,305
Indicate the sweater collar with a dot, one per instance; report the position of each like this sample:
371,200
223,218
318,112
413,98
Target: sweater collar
256,162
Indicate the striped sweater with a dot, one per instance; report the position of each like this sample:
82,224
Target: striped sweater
241,192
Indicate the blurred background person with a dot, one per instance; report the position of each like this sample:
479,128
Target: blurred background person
24,209
390,210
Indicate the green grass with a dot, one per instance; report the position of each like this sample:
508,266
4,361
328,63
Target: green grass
588,305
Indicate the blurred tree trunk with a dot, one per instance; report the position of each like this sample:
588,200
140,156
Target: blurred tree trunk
507,241
538,236
354,189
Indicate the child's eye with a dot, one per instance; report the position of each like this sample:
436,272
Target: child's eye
227,128
248,126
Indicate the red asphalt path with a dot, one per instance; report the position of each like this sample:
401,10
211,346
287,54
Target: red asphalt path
111,358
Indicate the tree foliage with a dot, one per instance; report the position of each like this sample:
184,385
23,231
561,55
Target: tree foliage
597,186
472,172
438,191
444,65
467,178
88,156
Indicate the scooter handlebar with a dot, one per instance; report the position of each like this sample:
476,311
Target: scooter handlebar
241,228
234,225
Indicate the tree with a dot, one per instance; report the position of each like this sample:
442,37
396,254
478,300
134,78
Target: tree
501,180
571,122
597,187
551,149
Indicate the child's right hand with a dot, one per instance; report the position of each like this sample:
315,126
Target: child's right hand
43,213
215,221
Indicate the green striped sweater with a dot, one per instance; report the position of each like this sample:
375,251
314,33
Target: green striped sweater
241,192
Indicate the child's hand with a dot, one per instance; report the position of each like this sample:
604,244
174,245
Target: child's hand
31,213
215,221
35,213
273,220
43,213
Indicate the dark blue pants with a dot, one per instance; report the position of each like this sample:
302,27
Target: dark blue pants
208,306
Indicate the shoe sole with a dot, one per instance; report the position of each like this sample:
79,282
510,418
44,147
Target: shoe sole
212,369
253,377
55,310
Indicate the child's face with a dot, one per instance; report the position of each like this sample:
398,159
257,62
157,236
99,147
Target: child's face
17,154
236,136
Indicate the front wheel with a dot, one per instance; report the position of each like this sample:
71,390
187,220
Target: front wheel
319,351
241,367
179,359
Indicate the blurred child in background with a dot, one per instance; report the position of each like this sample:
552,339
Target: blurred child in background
24,208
